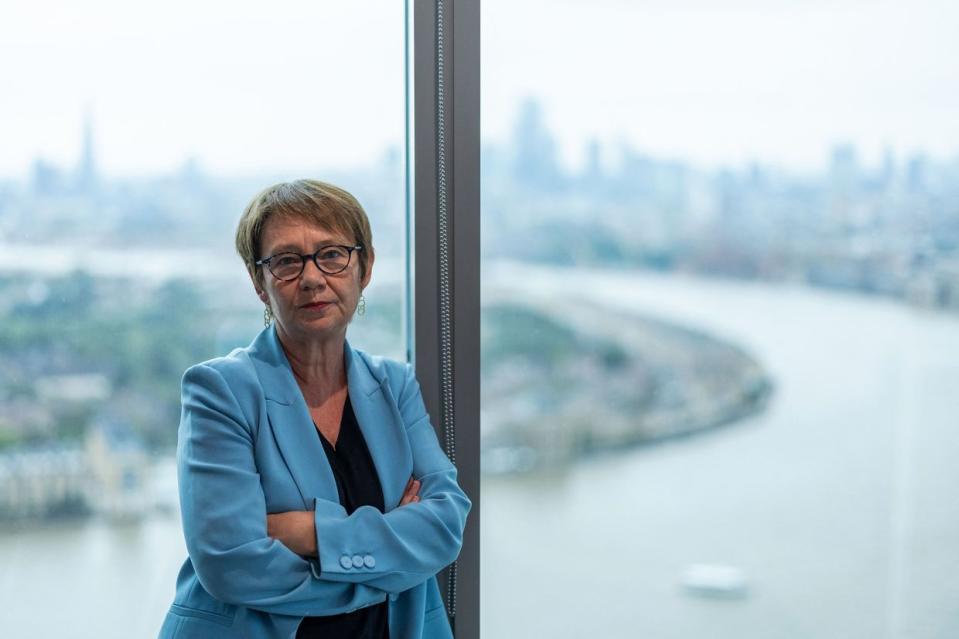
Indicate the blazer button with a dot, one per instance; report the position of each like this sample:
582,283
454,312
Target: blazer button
357,561
346,562
369,561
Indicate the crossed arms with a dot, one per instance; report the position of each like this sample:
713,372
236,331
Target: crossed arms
225,522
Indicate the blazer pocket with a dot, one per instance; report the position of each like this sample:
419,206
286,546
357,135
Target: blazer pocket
219,618
436,625
434,613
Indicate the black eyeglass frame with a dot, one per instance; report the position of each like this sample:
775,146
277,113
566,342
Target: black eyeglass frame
311,256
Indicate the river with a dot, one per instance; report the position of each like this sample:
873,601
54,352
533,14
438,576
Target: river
839,503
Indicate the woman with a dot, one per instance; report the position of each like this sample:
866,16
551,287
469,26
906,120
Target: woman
316,500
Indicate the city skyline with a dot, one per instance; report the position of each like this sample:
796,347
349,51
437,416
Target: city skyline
532,120
769,81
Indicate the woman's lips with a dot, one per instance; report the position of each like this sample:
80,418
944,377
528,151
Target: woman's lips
315,305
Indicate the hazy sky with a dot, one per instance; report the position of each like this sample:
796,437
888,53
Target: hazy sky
240,87
309,84
716,81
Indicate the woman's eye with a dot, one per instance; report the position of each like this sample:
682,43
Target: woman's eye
287,260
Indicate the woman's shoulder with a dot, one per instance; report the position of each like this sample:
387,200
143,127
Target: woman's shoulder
234,368
385,369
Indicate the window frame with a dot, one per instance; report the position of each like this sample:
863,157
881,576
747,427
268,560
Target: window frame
443,164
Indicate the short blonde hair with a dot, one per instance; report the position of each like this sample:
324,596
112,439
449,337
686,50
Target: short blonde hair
325,205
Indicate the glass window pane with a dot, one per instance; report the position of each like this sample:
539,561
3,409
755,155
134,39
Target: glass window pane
132,138
721,319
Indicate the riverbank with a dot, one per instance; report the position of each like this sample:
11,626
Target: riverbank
621,380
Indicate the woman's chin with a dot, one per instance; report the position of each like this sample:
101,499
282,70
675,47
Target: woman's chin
316,328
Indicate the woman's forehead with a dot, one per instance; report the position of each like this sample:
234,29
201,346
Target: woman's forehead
281,232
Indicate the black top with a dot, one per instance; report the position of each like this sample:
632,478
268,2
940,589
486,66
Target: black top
358,485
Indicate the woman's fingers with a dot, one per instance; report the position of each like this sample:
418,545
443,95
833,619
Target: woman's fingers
410,495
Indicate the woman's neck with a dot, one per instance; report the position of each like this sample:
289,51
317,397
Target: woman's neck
317,364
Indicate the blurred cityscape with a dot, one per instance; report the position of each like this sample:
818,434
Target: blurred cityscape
109,286
886,228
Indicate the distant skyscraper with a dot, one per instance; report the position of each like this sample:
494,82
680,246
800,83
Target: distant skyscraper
86,167
887,169
594,161
47,179
535,161
916,172
844,168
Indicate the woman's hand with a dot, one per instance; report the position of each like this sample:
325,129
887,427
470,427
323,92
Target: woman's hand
411,492
294,529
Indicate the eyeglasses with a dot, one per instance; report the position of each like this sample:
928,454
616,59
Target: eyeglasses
288,266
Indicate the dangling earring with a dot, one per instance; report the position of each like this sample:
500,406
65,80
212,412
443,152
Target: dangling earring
267,315
361,306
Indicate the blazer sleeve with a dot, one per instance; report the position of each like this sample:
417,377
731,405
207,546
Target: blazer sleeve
411,543
224,513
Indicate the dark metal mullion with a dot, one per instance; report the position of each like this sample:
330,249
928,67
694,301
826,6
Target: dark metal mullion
465,208
425,281
447,194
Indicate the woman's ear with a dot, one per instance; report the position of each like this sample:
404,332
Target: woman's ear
259,289
371,255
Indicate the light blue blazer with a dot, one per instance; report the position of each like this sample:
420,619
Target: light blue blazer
248,447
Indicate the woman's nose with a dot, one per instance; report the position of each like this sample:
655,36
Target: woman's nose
312,276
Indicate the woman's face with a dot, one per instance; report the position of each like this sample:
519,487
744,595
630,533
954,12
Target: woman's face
314,305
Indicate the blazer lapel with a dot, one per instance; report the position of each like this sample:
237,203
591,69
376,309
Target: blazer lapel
382,428
296,436
290,421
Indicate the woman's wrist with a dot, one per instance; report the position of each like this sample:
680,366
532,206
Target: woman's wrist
295,529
